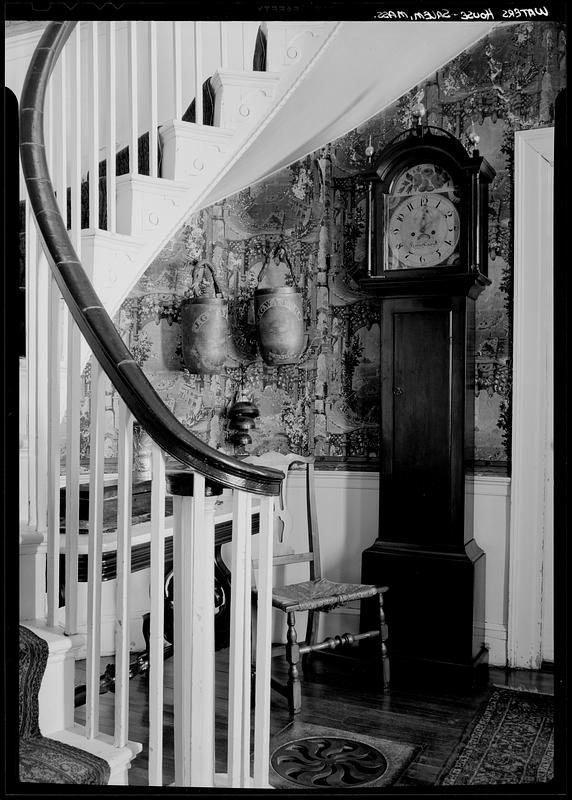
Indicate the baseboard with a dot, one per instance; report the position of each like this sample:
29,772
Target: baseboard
495,641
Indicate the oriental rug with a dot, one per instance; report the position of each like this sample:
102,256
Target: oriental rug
510,741
304,756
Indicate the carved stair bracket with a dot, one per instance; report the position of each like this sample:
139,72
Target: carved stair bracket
145,205
242,98
192,152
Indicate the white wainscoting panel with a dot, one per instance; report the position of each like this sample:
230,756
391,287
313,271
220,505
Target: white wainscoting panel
348,504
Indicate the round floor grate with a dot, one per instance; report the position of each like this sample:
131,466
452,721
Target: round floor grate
328,762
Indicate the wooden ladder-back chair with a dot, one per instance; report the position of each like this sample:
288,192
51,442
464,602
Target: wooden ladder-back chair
316,594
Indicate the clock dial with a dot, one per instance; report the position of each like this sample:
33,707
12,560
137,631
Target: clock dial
423,230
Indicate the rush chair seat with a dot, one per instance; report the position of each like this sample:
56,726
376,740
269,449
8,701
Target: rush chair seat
315,594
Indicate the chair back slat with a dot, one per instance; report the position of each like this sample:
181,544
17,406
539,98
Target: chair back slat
283,518
287,558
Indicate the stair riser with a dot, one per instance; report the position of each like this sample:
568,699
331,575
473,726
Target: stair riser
56,696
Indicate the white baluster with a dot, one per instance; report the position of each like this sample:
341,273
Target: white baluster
156,669
94,547
182,565
94,128
223,37
124,492
194,706
263,645
111,127
133,98
153,71
72,475
43,353
178,70
244,39
42,380
31,358
75,149
240,656
53,475
198,73
60,176
73,394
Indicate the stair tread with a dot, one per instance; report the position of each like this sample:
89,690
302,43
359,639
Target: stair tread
101,745
113,236
55,761
152,181
205,131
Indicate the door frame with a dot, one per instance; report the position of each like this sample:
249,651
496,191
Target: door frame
531,435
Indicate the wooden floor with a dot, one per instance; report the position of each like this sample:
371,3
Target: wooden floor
339,694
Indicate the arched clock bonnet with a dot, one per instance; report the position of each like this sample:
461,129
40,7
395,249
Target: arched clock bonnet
428,210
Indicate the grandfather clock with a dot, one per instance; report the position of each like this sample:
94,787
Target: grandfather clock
427,264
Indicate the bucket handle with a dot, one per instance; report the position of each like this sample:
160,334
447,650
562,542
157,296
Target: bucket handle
204,263
286,259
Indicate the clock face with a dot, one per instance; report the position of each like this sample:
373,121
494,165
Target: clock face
421,219
422,230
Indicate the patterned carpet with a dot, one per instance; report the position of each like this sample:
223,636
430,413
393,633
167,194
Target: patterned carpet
43,760
510,741
306,757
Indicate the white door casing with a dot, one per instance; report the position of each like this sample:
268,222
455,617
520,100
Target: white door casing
530,590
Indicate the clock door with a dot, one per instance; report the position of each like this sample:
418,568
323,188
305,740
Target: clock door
422,420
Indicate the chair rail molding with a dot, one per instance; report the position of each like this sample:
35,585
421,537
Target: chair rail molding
532,399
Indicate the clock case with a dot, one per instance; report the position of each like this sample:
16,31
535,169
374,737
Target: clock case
425,551
471,175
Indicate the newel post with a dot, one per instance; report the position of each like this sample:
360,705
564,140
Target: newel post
194,613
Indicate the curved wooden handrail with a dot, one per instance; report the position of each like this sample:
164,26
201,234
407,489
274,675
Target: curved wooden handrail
86,307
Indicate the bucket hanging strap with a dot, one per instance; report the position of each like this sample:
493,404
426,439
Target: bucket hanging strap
203,264
286,259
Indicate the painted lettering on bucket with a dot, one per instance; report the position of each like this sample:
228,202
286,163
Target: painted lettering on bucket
208,315
281,302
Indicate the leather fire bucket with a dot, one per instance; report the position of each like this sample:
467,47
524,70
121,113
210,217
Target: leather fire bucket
279,324
204,322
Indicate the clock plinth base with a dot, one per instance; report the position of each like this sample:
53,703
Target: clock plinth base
434,608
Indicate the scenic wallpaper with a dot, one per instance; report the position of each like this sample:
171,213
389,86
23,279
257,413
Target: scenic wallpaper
302,228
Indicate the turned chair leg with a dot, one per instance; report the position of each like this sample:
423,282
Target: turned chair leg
383,646
311,639
293,658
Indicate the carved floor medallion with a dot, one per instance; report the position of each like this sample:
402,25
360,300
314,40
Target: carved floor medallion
329,762
305,756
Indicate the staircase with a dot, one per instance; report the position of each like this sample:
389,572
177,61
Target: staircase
72,120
